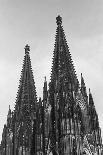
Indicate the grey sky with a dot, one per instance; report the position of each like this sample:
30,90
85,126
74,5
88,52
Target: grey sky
33,22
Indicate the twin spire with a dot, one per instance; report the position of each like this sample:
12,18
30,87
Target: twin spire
63,90
61,60
64,45
62,70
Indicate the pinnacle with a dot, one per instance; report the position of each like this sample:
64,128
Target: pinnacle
45,79
82,80
9,110
59,20
89,91
9,107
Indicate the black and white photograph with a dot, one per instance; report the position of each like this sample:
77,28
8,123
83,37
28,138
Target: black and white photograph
51,77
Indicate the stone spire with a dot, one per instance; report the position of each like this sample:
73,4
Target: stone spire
26,103
27,89
62,66
63,84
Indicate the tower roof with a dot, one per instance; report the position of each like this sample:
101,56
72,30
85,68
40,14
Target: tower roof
62,61
26,95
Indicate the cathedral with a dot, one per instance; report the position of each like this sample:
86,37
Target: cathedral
62,122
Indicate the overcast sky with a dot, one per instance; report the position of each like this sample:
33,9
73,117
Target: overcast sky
33,22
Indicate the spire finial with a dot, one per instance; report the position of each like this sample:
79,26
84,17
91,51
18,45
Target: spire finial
27,49
59,20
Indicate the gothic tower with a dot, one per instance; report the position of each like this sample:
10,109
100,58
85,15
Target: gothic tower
74,120
63,122
63,88
17,134
25,107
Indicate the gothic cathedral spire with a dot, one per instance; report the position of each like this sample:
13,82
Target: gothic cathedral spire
63,85
25,108
62,62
